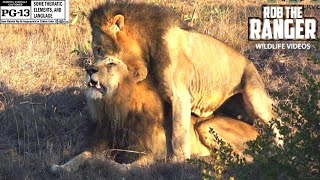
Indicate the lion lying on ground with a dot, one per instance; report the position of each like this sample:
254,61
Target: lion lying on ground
130,115
192,72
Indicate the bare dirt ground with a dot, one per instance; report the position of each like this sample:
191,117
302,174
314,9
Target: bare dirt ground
43,113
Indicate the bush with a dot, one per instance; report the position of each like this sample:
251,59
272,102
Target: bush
297,159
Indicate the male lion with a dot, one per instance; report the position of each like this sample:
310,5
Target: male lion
193,72
130,115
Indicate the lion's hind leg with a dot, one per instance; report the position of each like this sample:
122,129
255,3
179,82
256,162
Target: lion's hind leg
258,103
232,131
72,165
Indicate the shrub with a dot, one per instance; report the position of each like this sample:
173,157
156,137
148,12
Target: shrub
297,159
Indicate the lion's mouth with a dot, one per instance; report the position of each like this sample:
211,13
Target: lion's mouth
96,85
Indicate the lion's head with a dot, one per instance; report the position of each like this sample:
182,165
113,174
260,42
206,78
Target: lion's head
104,77
111,37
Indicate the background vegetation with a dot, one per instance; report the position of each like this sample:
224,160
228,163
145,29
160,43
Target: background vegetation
44,118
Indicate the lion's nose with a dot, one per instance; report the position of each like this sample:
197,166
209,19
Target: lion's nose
91,70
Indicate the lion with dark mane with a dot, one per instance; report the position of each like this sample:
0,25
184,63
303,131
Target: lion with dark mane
130,115
191,73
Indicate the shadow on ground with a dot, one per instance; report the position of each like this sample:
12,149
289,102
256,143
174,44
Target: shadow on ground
38,130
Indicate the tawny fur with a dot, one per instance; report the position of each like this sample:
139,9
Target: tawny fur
134,118
192,72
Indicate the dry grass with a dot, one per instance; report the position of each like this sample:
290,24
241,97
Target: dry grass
38,56
43,115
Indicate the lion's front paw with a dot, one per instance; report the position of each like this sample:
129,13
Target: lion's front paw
59,169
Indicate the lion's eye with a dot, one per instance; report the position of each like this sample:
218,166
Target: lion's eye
111,64
97,50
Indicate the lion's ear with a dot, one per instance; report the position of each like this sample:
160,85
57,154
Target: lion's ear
118,22
140,74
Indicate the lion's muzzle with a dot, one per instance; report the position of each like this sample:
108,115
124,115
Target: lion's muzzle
91,70
92,82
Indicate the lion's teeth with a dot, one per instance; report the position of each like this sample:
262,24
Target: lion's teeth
90,84
98,85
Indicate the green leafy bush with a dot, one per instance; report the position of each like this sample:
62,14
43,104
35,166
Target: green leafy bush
297,159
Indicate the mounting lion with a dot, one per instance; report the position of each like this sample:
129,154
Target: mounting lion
193,72
130,116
